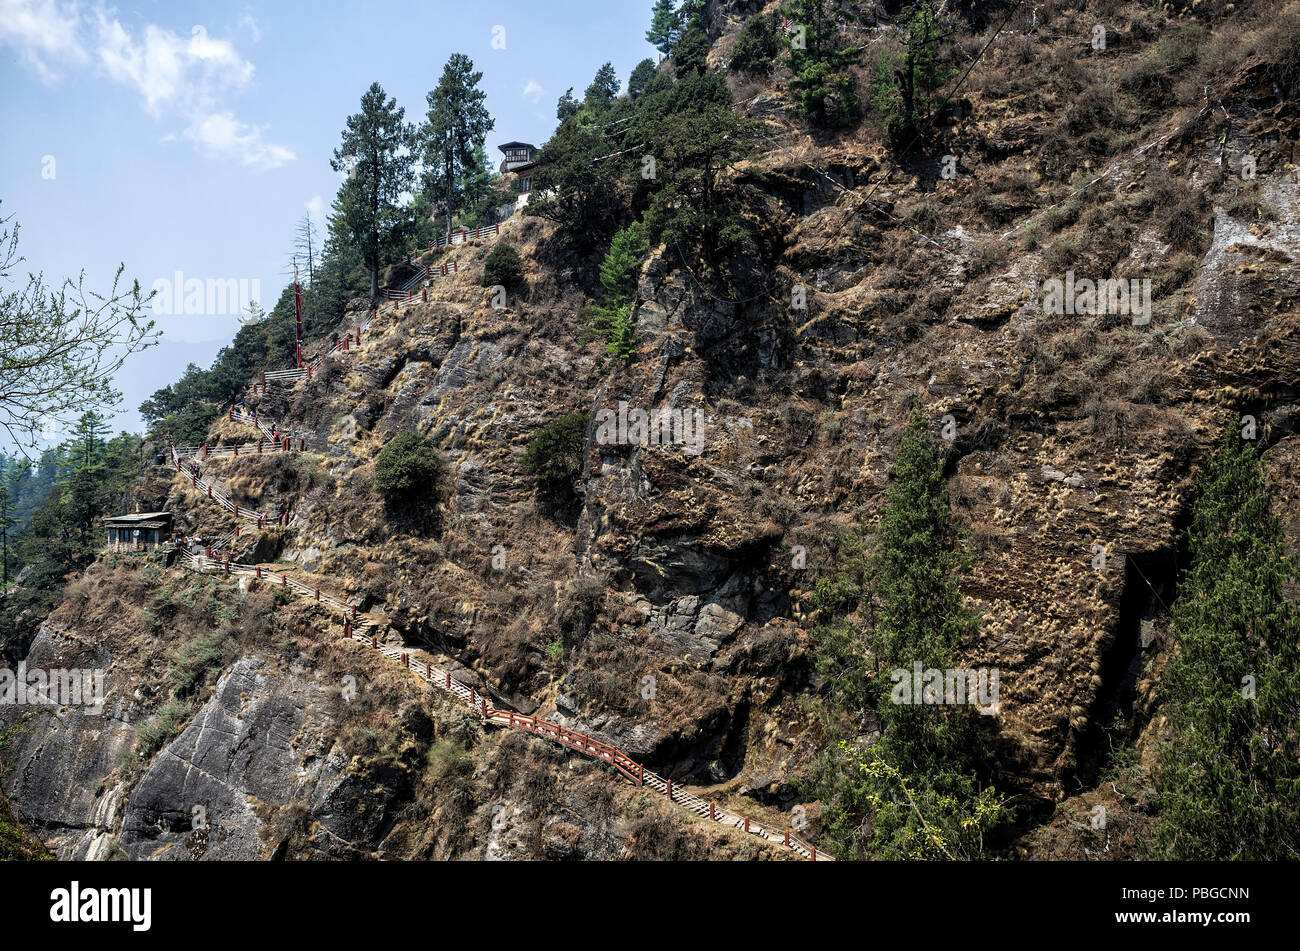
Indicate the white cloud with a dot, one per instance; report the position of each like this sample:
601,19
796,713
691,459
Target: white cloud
249,23
316,208
221,134
533,91
177,76
45,34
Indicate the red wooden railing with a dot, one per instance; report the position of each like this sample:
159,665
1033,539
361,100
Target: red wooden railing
459,236
360,627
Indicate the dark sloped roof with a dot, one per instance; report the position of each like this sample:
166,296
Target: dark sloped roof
138,520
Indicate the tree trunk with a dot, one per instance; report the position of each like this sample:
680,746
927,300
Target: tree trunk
447,172
374,282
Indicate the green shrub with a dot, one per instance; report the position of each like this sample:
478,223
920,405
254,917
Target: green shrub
409,468
15,843
157,732
191,664
756,49
554,454
504,267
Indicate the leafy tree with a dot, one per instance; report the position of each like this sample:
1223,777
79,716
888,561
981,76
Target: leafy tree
904,85
757,47
664,27
641,75
567,107
691,54
573,189
455,128
821,66
408,470
60,348
692,210
554,454
922,789
603,88
375,153
1229,782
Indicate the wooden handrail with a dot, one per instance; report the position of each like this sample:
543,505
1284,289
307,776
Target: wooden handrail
361,628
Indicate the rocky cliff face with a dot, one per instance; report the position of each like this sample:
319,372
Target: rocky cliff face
668,613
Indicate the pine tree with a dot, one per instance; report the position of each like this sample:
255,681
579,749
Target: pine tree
664,27
603,88
821,65
375,154
619,272
696,208
1229,782
917,560
622,264
641,75
621,339
691,54
567,106
922,788
455,128
922,71
904,86
7,521
83,478
690,15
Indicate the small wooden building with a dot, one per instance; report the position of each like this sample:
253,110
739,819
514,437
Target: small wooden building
143,531
520,160
517,156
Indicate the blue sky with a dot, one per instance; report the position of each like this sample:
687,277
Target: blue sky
192,137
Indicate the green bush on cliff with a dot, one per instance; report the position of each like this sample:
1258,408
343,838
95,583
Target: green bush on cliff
408,469
554,454
503,267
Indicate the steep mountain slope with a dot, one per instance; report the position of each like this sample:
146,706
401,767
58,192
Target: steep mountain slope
667,614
